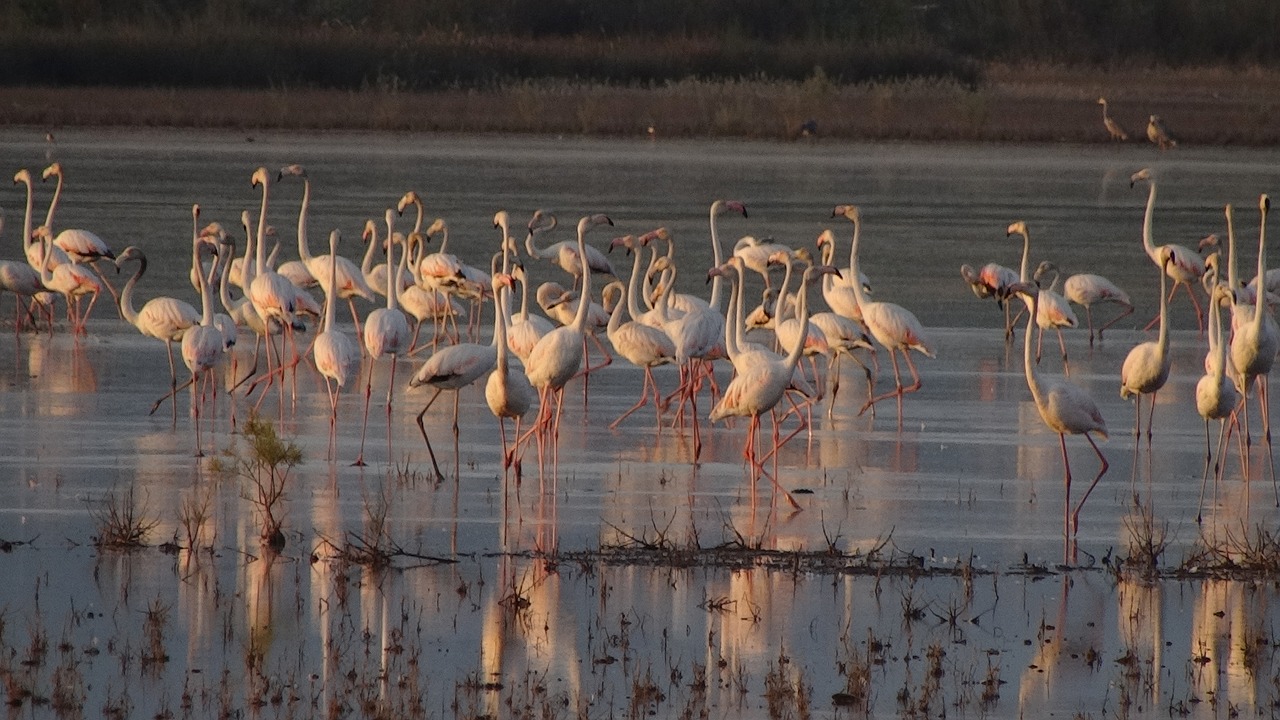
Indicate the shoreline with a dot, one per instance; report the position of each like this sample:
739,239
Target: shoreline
1215,106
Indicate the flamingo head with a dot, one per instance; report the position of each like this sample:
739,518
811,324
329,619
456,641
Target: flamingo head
501,280
294,170
370,231
826,238
627,241
54,169
661,233
723,206
589,221
22,176
437,226
847,211
1044,268
1264,203
1208,241
407,199
781,257
1018,227
259,177
542,221
129,253
502,220
1143,174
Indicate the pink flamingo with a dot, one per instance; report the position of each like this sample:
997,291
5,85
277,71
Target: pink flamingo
336,355
1187,266
893,326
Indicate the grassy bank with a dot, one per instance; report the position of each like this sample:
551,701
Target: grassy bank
1217,106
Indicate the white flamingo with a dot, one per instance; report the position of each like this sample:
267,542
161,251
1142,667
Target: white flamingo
642,346
558,355
336,355
202,344
71,281
386,332
1087,290
1067,410
1216,394
893,326
564,253
456,366
1187,266
351,283
507,390
1146,367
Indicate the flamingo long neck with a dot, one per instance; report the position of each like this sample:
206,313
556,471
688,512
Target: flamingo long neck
1261,284
828,281
1147,242
858,292
1233,275
717,254
224,289
1162,342
393,276
534,250
524,298
584,303
633,303
1033,378
739,324
126,295
615,316
53,204
780,304
1024,274
248,266
501,318
26,221
366,264
1217,348
331,286
304,250
260,248
802,300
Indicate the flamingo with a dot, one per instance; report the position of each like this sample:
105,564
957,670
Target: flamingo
642,346
386,332
376,275
993,280
787,330
525,328
203,344
1216,395
1087,290
351,282
1113,128
1055,311
894,327
761,384
565,253
33,250
163,318
1146,367
81,246
336,355
756,253
273,296
1158,134
507,390
23,281
424,304
839,295
456,366
446,273
558,355
1066,409
1255,341
1187,265
72,281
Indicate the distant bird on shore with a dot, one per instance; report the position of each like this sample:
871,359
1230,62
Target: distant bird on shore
1113,127
1159,134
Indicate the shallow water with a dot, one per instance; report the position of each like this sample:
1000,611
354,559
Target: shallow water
969,477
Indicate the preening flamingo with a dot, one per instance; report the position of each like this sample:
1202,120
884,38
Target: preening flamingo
1187,266
336,355
755,253
1067,410
994,281
893,326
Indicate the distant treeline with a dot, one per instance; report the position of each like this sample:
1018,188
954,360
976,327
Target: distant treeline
425,44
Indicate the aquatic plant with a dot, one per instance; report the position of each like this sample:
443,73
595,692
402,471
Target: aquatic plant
265,467
122,524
